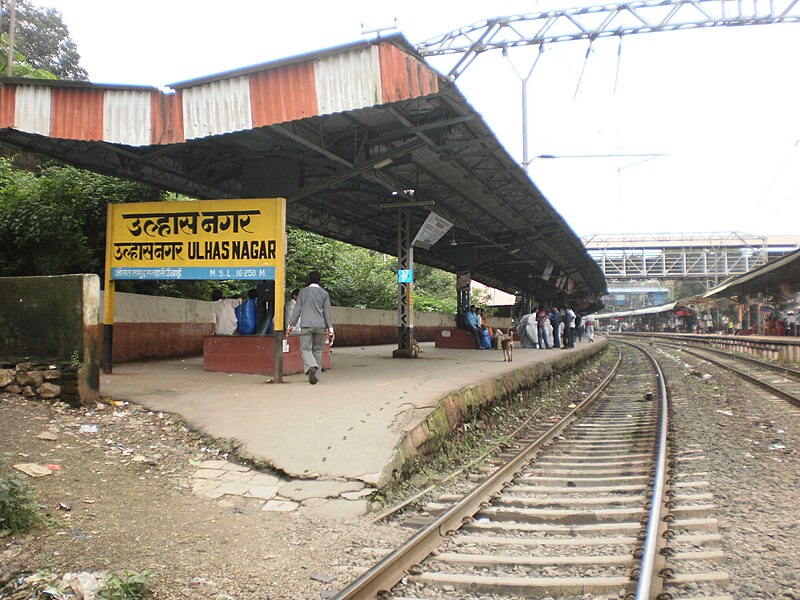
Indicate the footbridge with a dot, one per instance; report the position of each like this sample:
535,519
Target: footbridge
702,256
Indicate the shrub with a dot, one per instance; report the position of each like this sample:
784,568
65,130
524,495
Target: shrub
19,510
125,585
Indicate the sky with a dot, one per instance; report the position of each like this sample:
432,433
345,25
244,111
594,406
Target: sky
721,106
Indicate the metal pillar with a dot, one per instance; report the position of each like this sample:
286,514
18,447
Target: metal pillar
463,280
405,291
523,79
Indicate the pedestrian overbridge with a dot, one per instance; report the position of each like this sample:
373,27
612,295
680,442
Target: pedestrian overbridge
709,257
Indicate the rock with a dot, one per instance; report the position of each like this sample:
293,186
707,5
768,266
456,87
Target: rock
24,366
51,374
6,377
321,577
328,594
13,389
85,585
24,378
48,435
48,391
37,377
28,392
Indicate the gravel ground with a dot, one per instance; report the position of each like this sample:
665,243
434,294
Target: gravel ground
128,490
752,446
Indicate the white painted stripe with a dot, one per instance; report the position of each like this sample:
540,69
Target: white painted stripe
348,81
126,117
32,109
216,108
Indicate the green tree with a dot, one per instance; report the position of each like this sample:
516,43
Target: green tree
53,221
362,278
41,36
21,67
306,252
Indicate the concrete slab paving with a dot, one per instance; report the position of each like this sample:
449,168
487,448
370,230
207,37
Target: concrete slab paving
347,427
303,489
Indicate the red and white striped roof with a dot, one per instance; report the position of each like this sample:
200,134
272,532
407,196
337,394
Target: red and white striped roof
338,80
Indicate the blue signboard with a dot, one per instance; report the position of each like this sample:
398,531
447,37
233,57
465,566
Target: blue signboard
258,273
405,275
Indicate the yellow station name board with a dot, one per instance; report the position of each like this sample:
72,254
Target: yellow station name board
203,239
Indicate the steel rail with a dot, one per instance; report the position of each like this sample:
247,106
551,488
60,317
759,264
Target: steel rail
644,586
394,566
736,356
777,391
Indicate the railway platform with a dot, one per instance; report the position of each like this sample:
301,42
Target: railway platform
366,417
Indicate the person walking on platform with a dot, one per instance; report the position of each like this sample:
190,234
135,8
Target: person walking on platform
314,308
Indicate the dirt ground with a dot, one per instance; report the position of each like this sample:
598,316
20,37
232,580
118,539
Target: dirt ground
128,490
131,507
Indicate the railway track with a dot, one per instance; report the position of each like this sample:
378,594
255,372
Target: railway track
780,380
596,506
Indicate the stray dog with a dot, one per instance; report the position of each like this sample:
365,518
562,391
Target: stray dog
505,341
415,350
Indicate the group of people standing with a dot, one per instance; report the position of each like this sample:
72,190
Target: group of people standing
543,328
554,327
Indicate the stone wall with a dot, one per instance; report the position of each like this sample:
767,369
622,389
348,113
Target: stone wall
44,382
48,321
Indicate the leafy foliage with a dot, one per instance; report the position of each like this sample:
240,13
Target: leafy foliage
125,585
53,221
43,39
362,279
19,510
21,67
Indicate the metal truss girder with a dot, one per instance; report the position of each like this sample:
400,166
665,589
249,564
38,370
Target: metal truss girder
678,263
612,20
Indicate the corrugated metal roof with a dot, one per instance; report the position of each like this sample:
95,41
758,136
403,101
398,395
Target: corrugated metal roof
348,80
166,118
283,94
784,272
337,133
126,117
8,103
403,76
32,109
216,108
648,310
77,114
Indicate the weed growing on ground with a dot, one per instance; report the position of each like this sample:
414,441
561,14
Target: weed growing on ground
19,510
125,585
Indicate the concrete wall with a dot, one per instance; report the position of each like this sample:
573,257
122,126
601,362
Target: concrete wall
157,327
148,327
53,320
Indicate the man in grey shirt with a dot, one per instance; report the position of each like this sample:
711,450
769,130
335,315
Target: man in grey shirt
314,307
